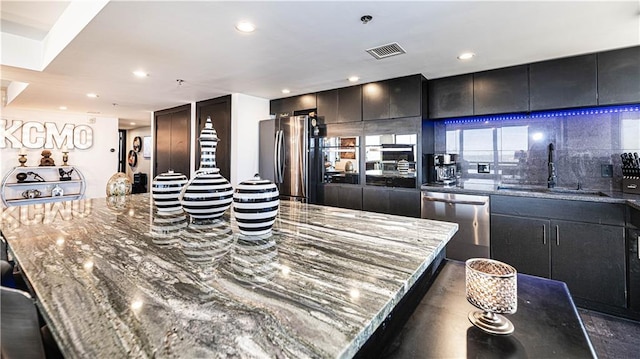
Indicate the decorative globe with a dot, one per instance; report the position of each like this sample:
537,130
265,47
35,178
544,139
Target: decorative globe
255,206
119,185
165,190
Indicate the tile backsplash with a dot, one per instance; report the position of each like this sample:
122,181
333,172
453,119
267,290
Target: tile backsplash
588,144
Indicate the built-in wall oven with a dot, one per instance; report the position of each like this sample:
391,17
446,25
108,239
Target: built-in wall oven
471,212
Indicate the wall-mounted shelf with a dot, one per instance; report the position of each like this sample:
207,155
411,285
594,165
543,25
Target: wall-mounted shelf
43,179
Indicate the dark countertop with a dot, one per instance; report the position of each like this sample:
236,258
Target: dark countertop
547,324
118,279
489,187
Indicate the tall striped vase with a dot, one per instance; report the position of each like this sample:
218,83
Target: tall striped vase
255,206
166,188
207,195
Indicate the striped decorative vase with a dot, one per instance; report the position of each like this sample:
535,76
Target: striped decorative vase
165,190
255,206
208,195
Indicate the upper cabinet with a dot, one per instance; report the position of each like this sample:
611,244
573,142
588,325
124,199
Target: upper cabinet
289,105
395,98
451,97
340,105
568,82
500,91
619,76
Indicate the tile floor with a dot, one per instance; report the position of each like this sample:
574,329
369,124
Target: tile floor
612,337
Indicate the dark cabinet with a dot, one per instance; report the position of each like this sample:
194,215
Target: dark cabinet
405,96
328,106
391,201
289,105
619,76
219,109
172,140
340,105
568,82
451,97
350,104
375,101
342,196
395,98
500,91
522,243
589,257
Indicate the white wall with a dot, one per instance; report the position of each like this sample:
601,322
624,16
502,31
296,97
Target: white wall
144,164
246,113
96,163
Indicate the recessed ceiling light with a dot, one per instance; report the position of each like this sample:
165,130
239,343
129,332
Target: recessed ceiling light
286,91
62,108
245,26
140,73
466,56
132,123
353,78
92,95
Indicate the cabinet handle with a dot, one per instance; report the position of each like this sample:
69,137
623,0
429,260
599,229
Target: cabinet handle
557,236
544,234
638,242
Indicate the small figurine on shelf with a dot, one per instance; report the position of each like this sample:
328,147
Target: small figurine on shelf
23,156
57,191
46,159
65,155
65,175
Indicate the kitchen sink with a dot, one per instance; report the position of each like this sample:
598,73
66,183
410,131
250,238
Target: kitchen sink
555,190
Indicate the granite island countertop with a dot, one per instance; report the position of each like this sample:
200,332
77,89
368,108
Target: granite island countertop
490,187
120,280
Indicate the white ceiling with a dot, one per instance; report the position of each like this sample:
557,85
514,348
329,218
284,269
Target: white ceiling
305,46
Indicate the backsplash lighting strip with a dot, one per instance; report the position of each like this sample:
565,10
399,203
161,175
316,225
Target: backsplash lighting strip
546,114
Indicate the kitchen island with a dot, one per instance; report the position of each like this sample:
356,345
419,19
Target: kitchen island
118,279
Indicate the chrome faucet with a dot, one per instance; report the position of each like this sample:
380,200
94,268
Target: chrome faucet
551,180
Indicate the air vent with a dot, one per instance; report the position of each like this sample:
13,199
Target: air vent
385,51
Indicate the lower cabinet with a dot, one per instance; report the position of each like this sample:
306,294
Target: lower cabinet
401,202
343,196
588,257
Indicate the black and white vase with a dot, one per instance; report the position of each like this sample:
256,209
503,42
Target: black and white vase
166,188
255,206
207,195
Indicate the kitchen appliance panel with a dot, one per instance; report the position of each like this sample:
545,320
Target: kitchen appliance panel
471,212
293,152
266,143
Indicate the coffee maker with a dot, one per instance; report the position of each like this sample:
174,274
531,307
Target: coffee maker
443,169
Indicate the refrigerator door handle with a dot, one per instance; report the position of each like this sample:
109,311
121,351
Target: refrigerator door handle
276,158
280,152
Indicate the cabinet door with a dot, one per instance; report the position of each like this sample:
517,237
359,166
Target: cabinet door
590,258
500,91
619,76
569,82
375,101
275,107
350,197
451,97
331,196
172,137
522,243
350,104
405,96
633,238
220,111
328,106
375,200
405,203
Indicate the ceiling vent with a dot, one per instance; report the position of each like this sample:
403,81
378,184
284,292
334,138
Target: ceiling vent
387,50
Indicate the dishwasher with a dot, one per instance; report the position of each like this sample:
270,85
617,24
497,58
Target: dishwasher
470,212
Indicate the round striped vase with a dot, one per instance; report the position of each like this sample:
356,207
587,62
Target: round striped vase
255,206
165,190
207,196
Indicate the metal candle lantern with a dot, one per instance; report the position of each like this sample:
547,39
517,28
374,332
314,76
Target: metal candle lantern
492,287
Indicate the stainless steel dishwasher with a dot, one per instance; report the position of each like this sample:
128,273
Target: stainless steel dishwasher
471,212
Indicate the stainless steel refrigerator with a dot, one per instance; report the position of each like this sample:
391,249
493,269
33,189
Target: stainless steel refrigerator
284,155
